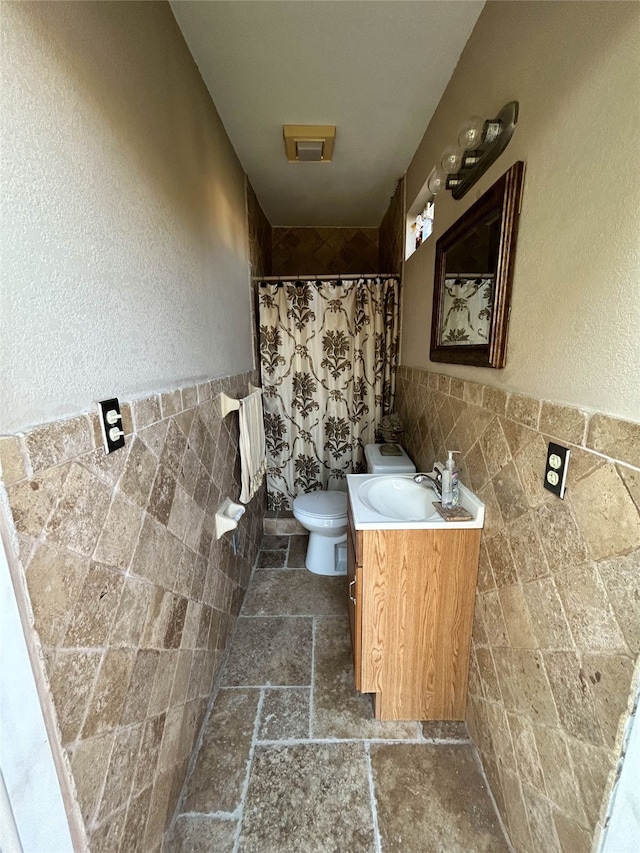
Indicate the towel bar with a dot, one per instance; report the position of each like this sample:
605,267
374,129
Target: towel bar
228,404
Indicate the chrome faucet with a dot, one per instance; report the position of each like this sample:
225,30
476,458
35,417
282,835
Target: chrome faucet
435,481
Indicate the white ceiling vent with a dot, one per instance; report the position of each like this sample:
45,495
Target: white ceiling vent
311,149
308,143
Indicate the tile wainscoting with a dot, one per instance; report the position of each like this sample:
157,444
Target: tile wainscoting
134,600
556,631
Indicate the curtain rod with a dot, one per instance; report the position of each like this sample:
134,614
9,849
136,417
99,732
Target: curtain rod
343,277
448,275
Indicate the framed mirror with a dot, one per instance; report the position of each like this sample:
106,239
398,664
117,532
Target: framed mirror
473,277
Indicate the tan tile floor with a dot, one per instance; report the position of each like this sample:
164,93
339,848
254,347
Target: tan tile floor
292,759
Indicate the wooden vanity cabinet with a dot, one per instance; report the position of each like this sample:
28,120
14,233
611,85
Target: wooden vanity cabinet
411,601
354,578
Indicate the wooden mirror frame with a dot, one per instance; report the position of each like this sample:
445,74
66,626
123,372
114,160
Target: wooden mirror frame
503,197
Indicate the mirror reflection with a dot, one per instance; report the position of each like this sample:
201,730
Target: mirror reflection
469,285
474,268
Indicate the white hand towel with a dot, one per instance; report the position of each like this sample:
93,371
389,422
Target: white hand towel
252,445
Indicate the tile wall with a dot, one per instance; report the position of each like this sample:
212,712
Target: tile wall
134,600
391,234
259,231
259,249
557,629
325,251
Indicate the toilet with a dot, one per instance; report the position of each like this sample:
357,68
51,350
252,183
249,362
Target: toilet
324,514
388,459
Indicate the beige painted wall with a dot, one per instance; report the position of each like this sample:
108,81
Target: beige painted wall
575,324
124,240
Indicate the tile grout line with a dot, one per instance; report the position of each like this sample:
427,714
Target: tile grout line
312,676
329,741
230,817
286,559
501,823
265,686
372,798
279,616
245,786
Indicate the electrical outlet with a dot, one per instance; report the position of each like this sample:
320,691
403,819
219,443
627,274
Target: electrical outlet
111,425
555,473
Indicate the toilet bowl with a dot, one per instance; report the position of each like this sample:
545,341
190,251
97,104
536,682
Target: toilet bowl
324,515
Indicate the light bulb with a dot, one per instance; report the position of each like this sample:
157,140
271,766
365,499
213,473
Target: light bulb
471,133
452,159
437,180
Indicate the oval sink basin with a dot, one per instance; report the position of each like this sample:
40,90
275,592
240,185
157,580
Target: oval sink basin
400,498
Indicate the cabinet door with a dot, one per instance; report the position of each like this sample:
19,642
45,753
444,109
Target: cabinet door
416,621
354,578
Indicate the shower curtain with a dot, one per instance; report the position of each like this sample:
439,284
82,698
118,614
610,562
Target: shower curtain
328,353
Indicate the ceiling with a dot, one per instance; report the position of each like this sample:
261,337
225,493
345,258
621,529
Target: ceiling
374,68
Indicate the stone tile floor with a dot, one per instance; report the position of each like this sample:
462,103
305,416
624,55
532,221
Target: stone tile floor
292,759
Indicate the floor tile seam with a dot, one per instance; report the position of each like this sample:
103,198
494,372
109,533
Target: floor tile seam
280,568
292,615
281,615
245,785
316,741
312,677
372,799
501,823
443,741
230,817
262,686
283,549
265,687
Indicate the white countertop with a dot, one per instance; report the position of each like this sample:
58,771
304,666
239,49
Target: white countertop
366,518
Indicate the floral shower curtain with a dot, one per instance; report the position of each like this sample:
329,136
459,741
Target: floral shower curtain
328,353
466,309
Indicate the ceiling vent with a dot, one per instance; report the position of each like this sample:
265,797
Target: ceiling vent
309,143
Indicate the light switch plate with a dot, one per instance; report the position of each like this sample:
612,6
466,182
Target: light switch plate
111,424
555,472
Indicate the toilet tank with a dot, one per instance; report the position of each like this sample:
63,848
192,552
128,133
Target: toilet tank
377,463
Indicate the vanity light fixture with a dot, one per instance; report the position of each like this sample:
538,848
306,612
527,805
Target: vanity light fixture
309,143
480,142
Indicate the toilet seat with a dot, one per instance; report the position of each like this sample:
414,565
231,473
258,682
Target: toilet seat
322,504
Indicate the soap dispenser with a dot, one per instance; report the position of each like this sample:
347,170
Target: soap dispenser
450,482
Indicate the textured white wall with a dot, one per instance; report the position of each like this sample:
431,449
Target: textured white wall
124,246
575,323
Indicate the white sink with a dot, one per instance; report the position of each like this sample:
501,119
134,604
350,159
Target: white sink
395,496
396,502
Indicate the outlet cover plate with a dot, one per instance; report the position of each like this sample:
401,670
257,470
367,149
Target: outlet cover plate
555,472
105,407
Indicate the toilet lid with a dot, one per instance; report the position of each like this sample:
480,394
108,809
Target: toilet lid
323,504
